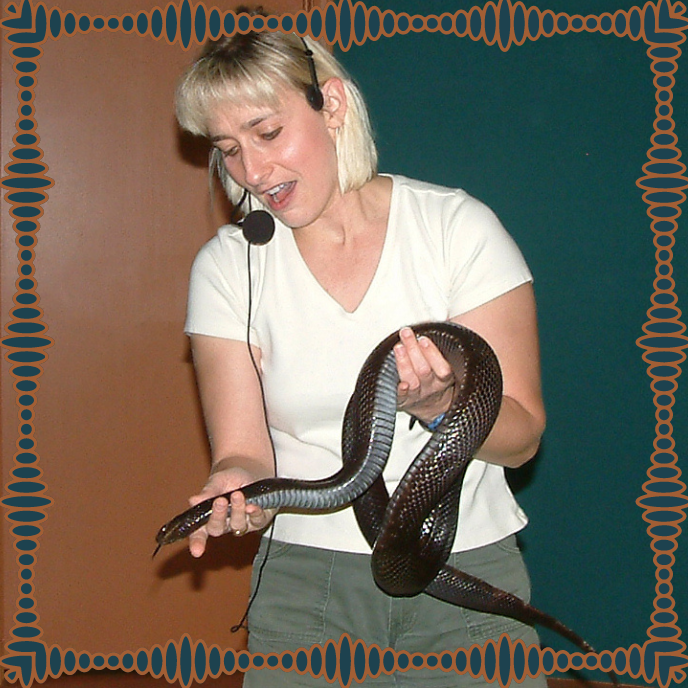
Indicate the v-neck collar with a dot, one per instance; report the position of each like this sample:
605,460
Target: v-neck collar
390,232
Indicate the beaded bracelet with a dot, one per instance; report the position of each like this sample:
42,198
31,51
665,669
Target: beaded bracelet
431,426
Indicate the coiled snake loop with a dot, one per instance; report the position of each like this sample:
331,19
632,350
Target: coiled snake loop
411,532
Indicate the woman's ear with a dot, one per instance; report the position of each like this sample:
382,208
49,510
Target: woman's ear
335,104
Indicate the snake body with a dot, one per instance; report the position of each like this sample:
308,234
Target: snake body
411,532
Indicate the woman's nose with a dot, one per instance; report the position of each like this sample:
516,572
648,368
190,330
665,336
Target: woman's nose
256,166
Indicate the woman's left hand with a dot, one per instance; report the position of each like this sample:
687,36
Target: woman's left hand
426,380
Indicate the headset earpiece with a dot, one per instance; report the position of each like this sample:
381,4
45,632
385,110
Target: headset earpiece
314,95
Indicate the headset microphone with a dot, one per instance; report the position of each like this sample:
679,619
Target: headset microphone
258,227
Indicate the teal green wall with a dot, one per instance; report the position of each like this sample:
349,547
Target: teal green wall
552,135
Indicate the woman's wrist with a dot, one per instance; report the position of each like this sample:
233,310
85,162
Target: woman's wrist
224,465
431,418
251,469
431,426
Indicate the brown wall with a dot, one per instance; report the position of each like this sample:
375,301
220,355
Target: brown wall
118,426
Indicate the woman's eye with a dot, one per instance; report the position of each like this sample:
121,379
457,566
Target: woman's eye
270,135
230,152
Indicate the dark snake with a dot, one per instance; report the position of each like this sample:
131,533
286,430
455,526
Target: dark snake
412,532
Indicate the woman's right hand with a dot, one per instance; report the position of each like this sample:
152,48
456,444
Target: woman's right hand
241,448
236,517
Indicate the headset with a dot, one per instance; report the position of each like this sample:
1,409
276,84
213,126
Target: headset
314,95
258,228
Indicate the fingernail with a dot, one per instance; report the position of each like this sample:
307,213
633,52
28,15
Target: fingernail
424,341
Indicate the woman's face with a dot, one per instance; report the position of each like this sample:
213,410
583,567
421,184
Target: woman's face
284,154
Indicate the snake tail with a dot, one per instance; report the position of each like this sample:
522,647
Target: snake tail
412,532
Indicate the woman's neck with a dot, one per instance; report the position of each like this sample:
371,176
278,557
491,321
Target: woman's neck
350,215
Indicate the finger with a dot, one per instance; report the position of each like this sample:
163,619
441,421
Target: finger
253,512
258,518
416,354
408,380
238,520
197,542
402,391
217,523
438,363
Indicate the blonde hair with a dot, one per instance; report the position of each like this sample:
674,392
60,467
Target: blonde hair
251,69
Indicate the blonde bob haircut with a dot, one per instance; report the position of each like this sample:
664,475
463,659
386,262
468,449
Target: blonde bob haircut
252,68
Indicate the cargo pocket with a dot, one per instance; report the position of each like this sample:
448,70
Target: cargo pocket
292,595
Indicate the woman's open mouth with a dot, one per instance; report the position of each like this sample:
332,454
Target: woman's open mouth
278,196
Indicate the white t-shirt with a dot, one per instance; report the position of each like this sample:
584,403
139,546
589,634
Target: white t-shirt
445,253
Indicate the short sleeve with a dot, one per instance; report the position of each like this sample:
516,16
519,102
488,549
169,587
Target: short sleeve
482,259
218,294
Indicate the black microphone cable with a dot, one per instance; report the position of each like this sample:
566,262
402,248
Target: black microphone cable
260,229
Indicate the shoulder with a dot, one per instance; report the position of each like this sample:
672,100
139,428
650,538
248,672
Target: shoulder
431,197
441,207
225,253
218,291
420,189
227,241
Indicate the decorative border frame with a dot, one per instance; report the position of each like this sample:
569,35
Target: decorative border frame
662,26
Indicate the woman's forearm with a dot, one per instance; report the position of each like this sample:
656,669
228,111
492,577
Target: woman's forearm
515,437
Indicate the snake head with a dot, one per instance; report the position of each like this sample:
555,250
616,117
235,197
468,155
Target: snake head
167,535
184,524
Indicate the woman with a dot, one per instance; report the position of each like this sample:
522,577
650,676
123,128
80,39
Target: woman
356,255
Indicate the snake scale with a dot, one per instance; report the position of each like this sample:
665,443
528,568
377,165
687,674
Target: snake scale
411,532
